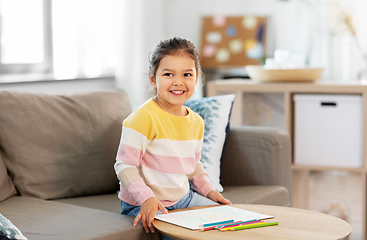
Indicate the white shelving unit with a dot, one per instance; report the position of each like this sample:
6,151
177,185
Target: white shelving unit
301,173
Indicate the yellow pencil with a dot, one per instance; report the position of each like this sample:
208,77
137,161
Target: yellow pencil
254,226
230,228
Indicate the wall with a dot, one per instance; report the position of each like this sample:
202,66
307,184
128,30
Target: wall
284,30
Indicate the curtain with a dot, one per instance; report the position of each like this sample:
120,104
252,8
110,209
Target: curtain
139,26
332,44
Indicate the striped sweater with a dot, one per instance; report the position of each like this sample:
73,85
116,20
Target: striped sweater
158,154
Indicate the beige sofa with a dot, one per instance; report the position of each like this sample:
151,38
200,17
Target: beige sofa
56,166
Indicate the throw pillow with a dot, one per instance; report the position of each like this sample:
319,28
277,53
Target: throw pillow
216,113
7,188
58,146
9,230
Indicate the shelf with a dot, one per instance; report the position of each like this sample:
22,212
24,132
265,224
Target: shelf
328,168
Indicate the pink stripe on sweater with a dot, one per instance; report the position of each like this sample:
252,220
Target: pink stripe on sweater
129,155
168,164
202,184
140,191
125,196
165,164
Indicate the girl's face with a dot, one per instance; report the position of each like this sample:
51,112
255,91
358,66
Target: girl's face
175,81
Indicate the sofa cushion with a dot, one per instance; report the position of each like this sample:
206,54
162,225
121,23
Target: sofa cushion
48,220
58,146
216,112
265,195
7,188
105,202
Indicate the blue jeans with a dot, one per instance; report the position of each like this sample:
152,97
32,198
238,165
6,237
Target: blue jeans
191,199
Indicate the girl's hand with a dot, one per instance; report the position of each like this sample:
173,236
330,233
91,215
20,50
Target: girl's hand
217,197
147,213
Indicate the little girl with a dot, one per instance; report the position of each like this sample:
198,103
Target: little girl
160,145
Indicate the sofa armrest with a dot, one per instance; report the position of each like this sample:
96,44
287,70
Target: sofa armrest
257,156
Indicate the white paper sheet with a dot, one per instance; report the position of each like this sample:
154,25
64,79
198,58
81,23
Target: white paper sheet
192,219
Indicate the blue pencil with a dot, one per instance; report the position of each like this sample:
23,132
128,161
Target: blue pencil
216,223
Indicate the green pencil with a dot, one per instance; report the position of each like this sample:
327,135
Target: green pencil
254,226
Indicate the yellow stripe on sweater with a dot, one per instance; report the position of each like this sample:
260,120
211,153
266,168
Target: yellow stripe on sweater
153,122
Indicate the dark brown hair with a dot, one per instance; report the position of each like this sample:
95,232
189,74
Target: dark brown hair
173,46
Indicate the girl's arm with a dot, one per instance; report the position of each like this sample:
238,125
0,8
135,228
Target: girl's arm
134,140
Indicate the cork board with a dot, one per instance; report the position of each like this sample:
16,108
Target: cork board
234,41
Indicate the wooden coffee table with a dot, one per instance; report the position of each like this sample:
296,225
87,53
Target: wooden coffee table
294,223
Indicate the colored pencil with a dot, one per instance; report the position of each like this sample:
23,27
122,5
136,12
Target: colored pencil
245,224
219,226
216,223
254,226
229,226
208,228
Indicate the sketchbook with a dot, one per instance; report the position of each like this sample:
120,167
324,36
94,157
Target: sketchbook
192,219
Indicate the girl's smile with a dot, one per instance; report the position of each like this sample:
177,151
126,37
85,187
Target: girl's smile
177,92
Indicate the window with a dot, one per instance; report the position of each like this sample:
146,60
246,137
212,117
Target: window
68,38
23,45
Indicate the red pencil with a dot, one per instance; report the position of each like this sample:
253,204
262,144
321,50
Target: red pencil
207,228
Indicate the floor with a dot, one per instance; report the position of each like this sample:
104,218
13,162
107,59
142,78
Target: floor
339,194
